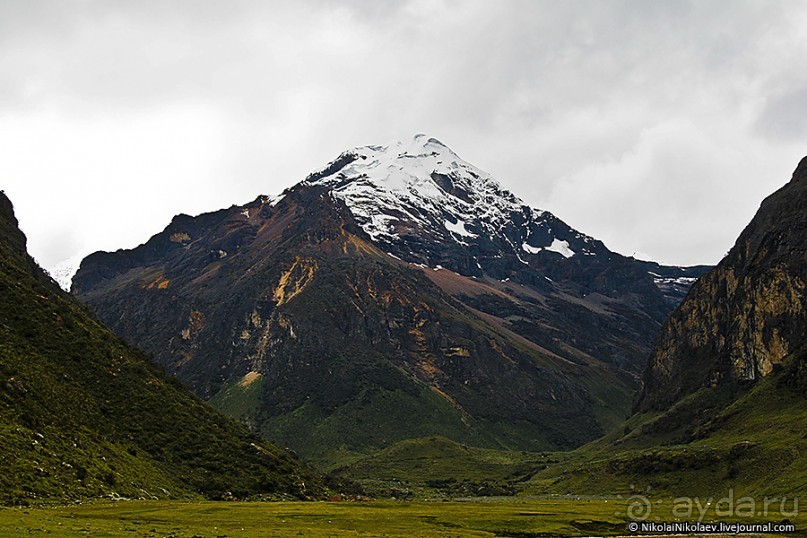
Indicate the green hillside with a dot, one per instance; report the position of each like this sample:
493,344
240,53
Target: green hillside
82,414
748,439
439,467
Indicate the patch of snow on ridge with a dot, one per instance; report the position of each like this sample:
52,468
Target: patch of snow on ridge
64,271
681,280
561,247
531,249
458,228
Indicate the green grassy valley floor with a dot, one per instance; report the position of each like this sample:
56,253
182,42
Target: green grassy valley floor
439,468
503,517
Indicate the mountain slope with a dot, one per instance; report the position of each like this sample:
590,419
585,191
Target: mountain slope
397,293
82,414
424,204
746,440
744,317
724,402
345,346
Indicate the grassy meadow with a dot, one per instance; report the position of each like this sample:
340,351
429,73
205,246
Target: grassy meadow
513,517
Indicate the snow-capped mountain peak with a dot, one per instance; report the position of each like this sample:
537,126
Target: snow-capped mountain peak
424,169
406,195
419,179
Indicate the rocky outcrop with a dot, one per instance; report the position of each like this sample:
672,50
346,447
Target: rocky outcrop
740,320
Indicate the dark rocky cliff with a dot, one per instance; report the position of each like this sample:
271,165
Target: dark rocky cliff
740,320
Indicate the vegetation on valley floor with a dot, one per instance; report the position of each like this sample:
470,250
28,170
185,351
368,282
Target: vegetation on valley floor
523,518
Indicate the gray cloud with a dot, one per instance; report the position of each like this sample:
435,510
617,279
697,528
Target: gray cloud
621,117
784,117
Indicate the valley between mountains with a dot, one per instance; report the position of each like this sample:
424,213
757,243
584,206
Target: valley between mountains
397,325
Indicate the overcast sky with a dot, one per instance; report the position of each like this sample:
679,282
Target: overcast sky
656,126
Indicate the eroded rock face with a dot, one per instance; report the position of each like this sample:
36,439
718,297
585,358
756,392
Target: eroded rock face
740,320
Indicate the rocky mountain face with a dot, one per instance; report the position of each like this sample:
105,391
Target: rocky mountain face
398,292
82,414
724,401
743,318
